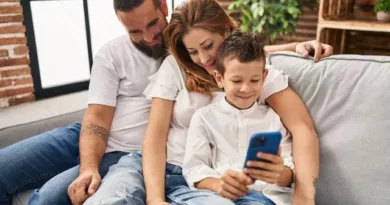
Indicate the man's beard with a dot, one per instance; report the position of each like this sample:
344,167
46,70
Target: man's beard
155,51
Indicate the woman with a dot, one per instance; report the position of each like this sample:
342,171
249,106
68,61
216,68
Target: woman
195,32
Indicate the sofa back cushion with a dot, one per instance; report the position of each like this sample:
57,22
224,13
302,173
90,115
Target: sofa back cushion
348,97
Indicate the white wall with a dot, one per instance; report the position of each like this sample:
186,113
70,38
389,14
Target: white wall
104,23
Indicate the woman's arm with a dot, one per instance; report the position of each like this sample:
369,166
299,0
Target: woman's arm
320,50
297,120
154,150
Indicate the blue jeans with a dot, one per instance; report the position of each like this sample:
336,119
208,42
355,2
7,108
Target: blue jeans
48,161
178,193
124,184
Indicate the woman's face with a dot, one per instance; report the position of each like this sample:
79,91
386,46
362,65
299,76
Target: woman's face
202,46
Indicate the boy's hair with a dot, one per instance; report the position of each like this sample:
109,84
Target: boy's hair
243,46
128,5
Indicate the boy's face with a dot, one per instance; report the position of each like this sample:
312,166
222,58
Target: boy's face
242,82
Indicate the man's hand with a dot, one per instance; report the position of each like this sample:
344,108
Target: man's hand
234,185
269,172
320,50
84,186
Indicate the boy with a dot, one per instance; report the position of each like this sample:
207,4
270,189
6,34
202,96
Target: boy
219,133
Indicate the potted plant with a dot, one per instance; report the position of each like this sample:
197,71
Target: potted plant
383,10
272,17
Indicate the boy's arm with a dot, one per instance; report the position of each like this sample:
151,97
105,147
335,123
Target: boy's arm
198,156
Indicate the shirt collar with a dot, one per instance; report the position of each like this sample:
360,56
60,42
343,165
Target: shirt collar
227,107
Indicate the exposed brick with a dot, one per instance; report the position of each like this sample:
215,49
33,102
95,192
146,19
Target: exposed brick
3,53
17,91
5,83
23,81
17,101
14,61
12,29
11,41
7,19
11,10
16,72
20,50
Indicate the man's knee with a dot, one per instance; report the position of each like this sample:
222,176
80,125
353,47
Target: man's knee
132,160
123,184
120,194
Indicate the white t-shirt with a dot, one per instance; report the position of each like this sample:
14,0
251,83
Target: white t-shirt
218,140
169,83
119,76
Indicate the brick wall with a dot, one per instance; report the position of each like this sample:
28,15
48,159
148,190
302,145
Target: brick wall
16,84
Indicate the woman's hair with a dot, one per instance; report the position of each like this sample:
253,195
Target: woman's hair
204,14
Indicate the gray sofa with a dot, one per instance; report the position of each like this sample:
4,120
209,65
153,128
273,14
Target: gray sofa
23,121
348,97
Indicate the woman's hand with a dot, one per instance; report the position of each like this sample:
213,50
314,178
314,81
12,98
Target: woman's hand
321,50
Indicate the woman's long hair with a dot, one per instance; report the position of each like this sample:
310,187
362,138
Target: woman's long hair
204,14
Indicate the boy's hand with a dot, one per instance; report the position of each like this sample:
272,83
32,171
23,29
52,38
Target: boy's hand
234,185
269,172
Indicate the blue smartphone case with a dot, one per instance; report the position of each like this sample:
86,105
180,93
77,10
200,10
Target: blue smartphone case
267,142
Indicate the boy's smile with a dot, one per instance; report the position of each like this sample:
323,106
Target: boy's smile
242,82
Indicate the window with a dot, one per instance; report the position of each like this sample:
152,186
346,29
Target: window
63,36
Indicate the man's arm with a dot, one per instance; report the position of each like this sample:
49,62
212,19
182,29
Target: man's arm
93,142
94,135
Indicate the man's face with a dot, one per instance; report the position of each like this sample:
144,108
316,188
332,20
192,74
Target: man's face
145,25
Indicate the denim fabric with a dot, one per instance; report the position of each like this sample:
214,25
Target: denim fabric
123,183
254,198
50,161
178,193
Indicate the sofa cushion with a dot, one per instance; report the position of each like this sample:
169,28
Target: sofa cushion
348,97
23,121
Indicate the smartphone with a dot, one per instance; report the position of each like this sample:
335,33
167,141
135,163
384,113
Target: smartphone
266,142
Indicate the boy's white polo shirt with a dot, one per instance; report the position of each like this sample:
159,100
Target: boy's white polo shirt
169,83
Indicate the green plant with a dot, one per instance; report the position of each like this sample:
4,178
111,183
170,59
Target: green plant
272,17
383,5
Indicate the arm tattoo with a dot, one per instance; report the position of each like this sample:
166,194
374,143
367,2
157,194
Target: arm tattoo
96,130
315,182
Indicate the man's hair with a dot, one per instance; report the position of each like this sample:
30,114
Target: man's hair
128,5
243,46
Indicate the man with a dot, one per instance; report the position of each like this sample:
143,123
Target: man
114,123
